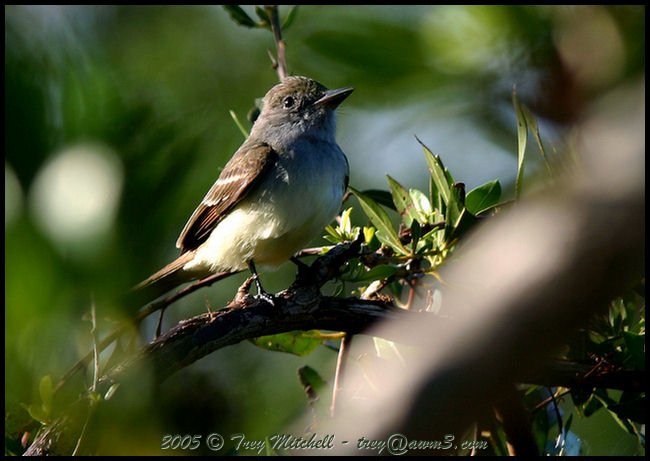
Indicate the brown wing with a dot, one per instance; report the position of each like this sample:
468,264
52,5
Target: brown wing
249,164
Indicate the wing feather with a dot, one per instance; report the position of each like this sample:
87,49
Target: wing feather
245,169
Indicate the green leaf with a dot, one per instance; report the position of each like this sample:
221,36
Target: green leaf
386,233
483,197
41,412
422,205
268,447
434,196
403,202
531,121
380,272
291,16
437,170
239,16
46,391
634,350
239,124
455,208
381,196
522,139
311,382
295,342
264,17
633,409
333,236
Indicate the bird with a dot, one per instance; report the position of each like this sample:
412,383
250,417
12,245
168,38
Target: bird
282,186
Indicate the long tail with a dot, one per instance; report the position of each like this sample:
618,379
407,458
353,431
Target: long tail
162,281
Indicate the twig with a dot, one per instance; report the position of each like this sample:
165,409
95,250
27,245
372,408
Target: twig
141,315
344,352
93,332
272,11
93,387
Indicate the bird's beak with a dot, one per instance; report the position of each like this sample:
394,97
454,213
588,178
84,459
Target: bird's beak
333,98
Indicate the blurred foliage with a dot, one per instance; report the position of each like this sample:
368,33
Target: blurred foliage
151,90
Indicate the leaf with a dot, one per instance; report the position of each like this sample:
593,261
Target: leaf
437,170
381,196
239,16
333,236
434,196
294,342
422,205
268,448
346,224
634,350
379,272
531,121
633,410
387,349
483,197
311,382
111,391
522,138
46,391
263,15
386,233
239,124
403,202
291,16
462,220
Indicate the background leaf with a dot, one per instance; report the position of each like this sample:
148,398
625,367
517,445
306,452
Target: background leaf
239,15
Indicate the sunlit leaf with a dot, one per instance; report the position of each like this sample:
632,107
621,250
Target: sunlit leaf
531,121
379,272
455,207
402,201
483,197
437,171
295,342
522,138
386,233
346,224
422,205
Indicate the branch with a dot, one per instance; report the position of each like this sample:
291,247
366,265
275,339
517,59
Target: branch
297,309
281,63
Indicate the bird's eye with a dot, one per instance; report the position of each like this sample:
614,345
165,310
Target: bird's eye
288,102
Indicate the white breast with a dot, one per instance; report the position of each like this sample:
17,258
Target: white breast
281,215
